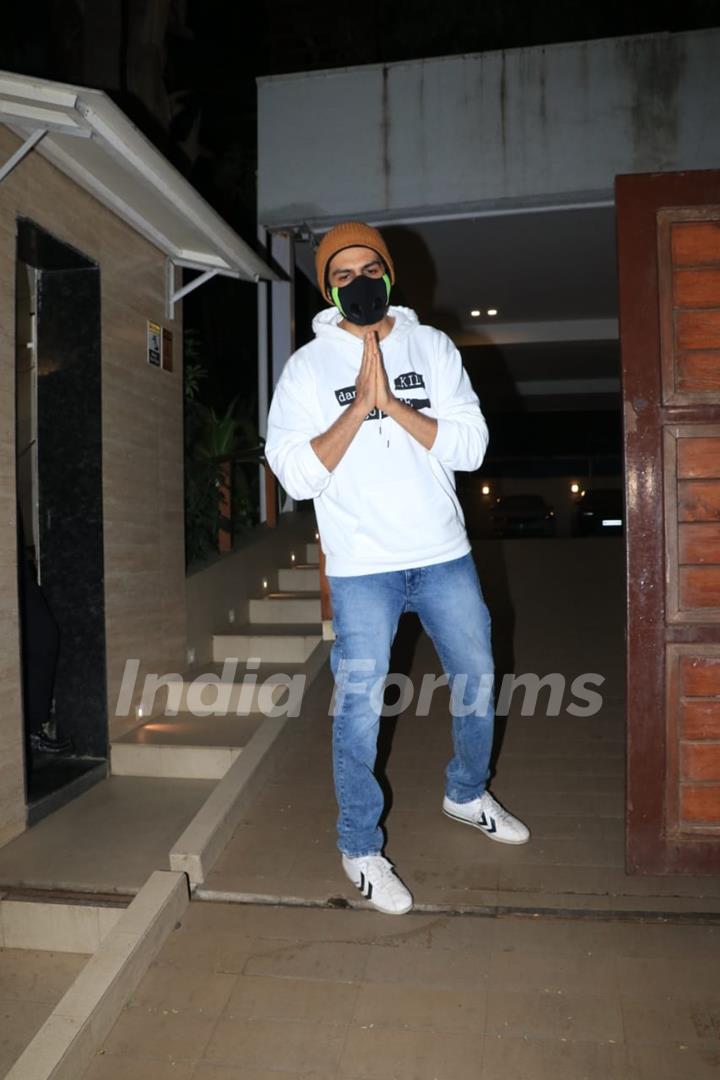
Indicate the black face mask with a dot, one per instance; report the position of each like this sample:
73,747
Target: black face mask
364,301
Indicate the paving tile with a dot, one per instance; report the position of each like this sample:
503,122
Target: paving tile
599,880
210,917
146,1033
693,978
449,843
440,932
575,804
527,766
552,1015
275,1044
111,1067
552,1059
298,821
672,1020
204,1071
563,781
301,798
205,994
309,863
249,840
463,970
577,851
223,952
432,880
383,1052
554,827
328,961
547,971
417,1007
19,1023
272,923
663,1062
264,862
681,943
37,975
271,998
581,937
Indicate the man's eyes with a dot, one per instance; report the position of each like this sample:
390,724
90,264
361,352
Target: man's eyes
370,271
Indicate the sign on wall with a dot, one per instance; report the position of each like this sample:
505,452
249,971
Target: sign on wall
159,346
154,344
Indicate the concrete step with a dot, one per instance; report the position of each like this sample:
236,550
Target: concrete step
312,553
282,608
299,579
273,644
107,840
183,746
228,688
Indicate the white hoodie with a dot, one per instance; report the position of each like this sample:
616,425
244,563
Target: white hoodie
390,504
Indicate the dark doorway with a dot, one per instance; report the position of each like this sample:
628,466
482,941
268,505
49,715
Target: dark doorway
60,538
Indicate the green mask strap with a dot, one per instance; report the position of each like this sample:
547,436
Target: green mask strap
388,285
334,292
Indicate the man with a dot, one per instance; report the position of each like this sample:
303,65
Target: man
370,420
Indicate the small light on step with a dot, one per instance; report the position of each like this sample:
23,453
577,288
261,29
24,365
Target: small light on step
292,557
265,583
139,710
317,535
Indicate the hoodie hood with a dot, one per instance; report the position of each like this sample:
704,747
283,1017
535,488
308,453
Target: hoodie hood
326,325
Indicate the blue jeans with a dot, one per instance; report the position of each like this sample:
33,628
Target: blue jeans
366,609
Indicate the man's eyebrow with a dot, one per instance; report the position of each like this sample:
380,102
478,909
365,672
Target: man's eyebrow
348,269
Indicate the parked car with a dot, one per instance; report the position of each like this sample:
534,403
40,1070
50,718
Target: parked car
523,515
600,512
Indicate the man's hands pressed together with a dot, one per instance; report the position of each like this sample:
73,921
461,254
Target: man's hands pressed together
372,386
372,390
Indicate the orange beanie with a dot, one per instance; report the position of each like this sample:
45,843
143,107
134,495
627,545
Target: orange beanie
349,234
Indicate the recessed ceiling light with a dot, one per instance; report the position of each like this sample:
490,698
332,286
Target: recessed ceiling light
492,311
475,313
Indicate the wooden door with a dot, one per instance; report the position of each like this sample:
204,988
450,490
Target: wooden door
669,288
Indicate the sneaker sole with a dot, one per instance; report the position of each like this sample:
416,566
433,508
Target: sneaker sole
490,836
387,911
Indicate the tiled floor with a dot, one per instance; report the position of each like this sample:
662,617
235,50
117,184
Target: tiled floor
248,992
557,609
263,993
31,984
563,776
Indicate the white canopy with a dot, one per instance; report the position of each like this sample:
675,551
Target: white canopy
85,135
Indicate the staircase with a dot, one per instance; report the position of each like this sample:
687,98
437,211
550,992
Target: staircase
279,641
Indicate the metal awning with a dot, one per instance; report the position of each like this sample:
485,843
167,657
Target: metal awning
85,135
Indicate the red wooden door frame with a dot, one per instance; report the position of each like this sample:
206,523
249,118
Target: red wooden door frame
638,199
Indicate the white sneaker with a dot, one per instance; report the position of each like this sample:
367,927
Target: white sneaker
377,881
487,814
